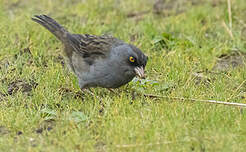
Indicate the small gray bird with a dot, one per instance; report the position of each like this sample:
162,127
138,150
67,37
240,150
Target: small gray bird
97,61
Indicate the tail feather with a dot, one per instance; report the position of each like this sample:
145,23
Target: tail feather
68,39
51,25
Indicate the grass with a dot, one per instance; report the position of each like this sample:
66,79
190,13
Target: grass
39,105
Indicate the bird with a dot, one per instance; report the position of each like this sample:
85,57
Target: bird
97,61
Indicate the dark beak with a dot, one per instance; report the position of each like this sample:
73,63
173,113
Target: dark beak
140,72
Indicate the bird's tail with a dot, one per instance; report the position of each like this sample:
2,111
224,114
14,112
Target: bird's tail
60,32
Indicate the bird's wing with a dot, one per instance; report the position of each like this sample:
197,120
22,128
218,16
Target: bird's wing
91,45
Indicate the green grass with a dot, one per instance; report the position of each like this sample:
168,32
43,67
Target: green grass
45,114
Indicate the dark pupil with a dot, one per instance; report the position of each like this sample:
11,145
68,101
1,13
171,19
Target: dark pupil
133,61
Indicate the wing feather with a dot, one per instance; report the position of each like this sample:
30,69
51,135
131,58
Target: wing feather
93,46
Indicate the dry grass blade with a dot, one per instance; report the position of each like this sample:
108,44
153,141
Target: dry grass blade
242,105
240,86
227,29
229,13
149,144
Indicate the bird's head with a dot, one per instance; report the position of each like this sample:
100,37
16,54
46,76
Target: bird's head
132,60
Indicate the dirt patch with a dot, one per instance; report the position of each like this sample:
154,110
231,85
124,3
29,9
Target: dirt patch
19,133
3,131
21,85
200,78
100,146
46,125
173,7
136,14
5,63
60,59
216,3
226,62
26,50
68,92
158,7
168,7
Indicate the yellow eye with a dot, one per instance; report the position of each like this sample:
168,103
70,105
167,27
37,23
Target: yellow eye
131,59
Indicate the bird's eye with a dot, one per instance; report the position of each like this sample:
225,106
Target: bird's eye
131,59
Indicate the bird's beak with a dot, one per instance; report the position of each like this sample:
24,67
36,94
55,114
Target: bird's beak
140,72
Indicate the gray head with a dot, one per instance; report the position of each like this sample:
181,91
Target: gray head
131,61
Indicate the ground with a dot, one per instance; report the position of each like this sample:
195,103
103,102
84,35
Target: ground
196,50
